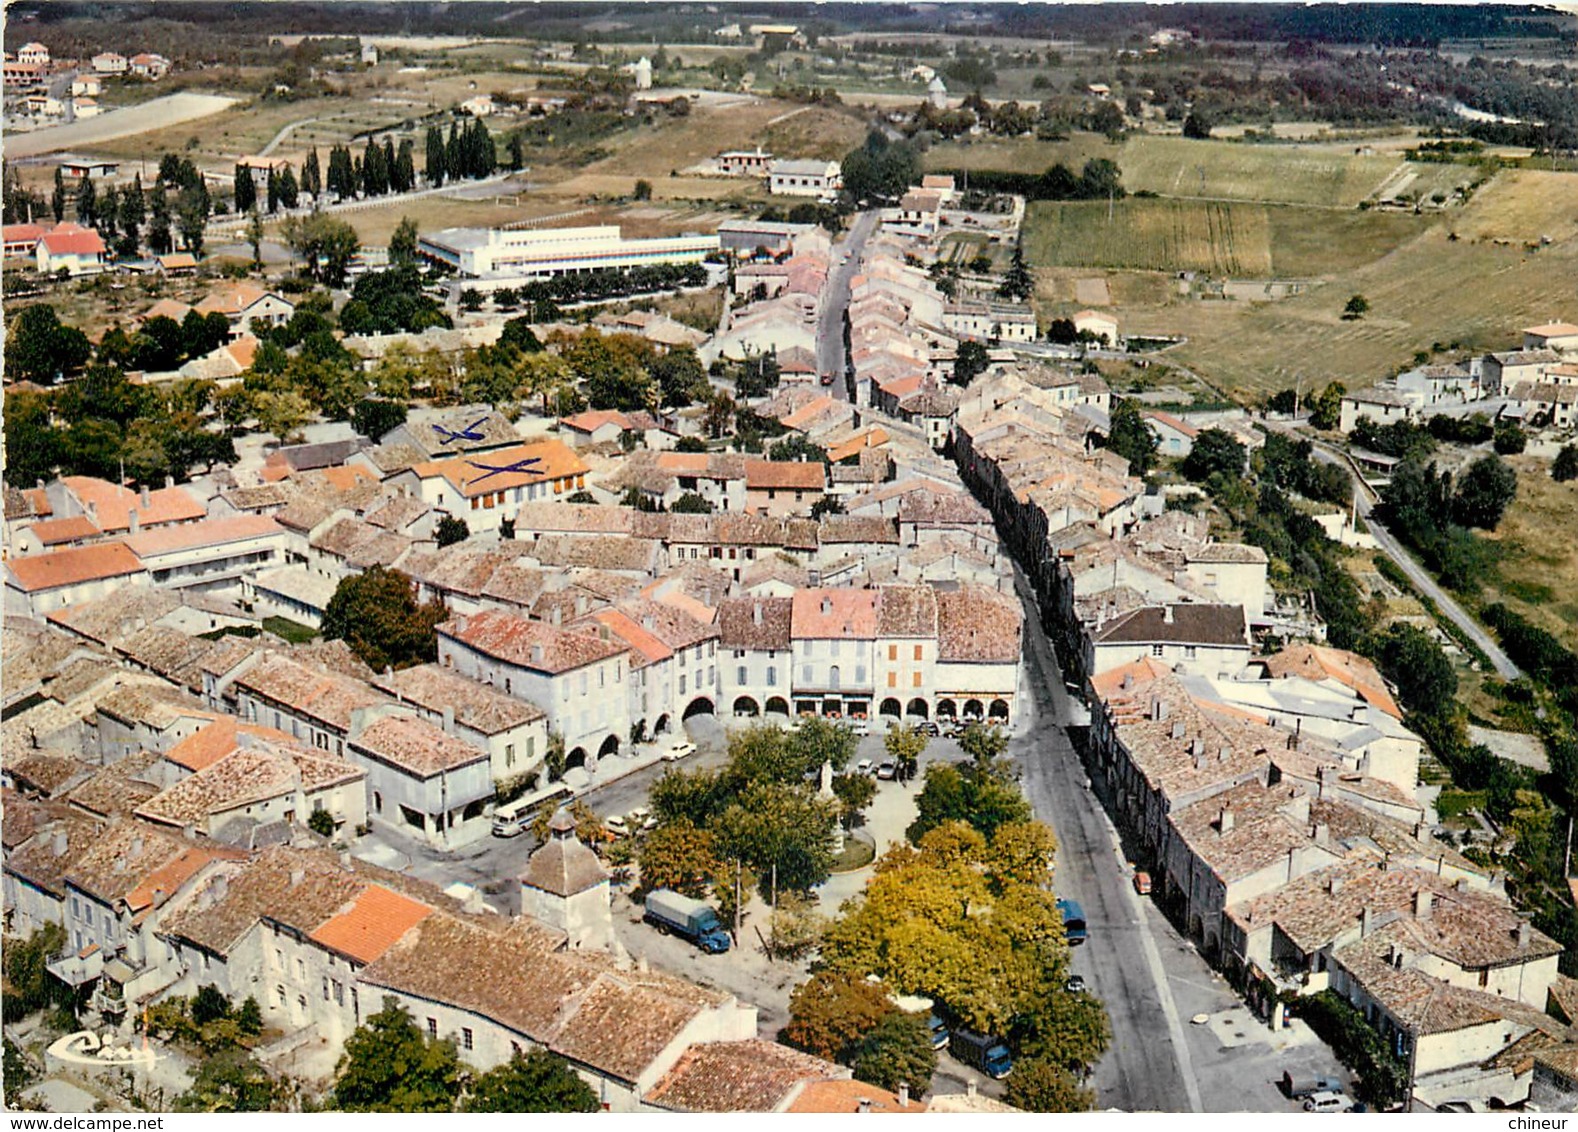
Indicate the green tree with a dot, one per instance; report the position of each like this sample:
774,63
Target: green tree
374,419
1565,466
29,985
246,194
691,504
451,530
86,203
554,757
1326,408
1484,492
325,244
1018,283
979,794
389,1065
33,445
680,376
643,190
191,216
322,823
17,1073
40,347
57,198
538,1082
1041,1085
1130,438
831,1012
376,612
854,793
969,363
679,856
783,832
209,1004
896,1051
231,1081
904,746
1509,439
255,236
1214,452
1356,307
1198,127
281,414
1425,678
693,796
402,245
795,926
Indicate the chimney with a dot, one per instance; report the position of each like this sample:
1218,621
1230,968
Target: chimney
1158,709
93,512
133,521
169,481
556,617
1224,819
827,605
1422,902
1523,935
536,654
1334,885
969,1087
1178,729
580,605
641,964
649,622
298,877
136,847
1322,834
602,632
60,844
1222,753
756,614
449,719
1167,615
1128,681
146,500
1197,746
189,832
863,1105
1364,921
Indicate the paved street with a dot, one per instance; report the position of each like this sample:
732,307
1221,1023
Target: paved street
1151,980
830,330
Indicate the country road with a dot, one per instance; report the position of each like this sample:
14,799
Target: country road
1417,574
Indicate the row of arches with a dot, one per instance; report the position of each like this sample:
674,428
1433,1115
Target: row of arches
994,712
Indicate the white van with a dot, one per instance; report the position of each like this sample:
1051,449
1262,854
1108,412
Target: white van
1326,1101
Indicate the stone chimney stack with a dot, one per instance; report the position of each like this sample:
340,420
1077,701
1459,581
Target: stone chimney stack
449,719
1423,899
133,520
1322,833
756,613
1523,935
536,654
1225,819
146,497
904,1094
298,877
1364,921
1167,615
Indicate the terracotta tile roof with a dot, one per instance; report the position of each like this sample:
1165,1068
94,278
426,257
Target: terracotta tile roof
371,925
117,789
866,529
785,475
231,298
755,623
69,239
116,863
563,865
600,552
205,533
397,512
1553,330
73,566
978,624
594,419
906,611
558,461
240,778
328,697
1192,623
45,771
477,706
831,613
745,1076
572,518
298,888
113,503
415,746
38,862
645,647
850,1096
53,532
529,644
1320,662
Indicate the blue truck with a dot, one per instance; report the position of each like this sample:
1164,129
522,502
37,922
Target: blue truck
674,914
982,1051
1074,930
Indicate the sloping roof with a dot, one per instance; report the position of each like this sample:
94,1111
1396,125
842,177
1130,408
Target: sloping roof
797,475
1187,623
835,613
69,239
563,865
1321,662
979,625
73,566
745,1076
760,623
371,925
205,533
529,644
113,503
477,706
53,532
557,461
416,746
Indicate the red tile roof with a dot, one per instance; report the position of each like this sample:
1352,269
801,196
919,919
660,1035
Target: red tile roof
795,475
558,461
53,532
209,532
113,503
834,613
529,644
69,239
373,923
74,566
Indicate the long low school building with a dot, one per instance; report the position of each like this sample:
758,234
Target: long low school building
498,255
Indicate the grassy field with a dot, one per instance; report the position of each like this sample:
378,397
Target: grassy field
1423,288
1539,572
1246,241
1327,174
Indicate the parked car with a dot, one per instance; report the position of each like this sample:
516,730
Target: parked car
827,379
1300,1085
861,727
617,826
1142,883
888,770
939,1031
678,751
641,819
927,727
1326,1101
1075,984
863,766
982,1051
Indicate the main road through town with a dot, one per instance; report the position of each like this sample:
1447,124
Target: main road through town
835,301
1147,1067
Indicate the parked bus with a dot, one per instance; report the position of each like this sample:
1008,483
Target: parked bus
512,818
1073,922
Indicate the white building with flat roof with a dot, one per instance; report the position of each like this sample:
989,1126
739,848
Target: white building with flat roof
804,178
494,253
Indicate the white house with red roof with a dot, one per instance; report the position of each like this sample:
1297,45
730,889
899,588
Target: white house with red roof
33,53
150,66
1559,336
110,63
71,248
